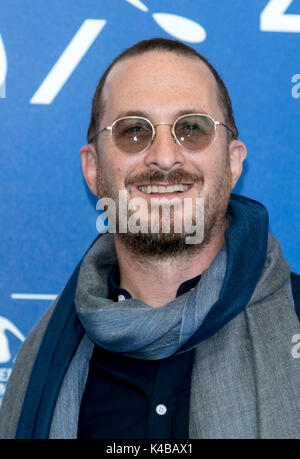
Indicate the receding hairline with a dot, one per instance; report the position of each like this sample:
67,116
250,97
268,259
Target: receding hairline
161,45
179,53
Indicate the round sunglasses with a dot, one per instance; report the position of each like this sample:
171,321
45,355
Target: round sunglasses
134,134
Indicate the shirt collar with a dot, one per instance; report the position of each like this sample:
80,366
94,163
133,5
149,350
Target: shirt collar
116,293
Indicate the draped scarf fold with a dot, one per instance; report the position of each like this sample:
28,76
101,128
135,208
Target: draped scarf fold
133,328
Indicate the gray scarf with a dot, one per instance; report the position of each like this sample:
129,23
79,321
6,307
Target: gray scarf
245,380
132,327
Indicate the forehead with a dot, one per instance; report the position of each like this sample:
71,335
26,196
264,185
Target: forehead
160,84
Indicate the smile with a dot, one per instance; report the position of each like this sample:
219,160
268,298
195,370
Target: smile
152,189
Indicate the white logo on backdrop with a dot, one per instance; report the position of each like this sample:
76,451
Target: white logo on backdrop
274,18
7,325
6,355
68,61
3,68
179,27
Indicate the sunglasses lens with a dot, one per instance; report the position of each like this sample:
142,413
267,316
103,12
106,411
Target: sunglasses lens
132,135
194,132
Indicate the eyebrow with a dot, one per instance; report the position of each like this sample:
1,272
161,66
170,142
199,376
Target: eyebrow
146,115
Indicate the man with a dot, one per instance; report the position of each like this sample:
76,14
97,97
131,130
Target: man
159,334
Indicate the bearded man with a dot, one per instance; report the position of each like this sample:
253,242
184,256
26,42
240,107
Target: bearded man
158,333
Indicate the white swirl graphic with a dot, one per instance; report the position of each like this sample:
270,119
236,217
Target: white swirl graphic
138,4
180,27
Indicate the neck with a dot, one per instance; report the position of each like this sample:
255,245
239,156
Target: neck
154,280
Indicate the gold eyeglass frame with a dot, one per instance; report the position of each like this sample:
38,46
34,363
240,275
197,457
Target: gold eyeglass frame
153,126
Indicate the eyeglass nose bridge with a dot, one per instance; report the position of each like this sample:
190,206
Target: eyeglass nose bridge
163,124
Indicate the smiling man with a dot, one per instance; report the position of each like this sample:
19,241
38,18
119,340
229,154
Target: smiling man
155,336
164,88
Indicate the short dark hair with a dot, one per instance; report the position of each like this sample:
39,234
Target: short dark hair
161,44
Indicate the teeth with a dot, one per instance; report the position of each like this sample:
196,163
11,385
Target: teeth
163,189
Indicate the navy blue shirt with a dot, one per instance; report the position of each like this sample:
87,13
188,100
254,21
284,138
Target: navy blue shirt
134,398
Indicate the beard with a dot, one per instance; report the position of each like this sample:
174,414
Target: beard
172,244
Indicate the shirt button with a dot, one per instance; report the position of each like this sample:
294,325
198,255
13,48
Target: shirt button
161,409
121,298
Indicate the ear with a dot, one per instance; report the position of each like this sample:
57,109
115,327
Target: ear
237,154
89,166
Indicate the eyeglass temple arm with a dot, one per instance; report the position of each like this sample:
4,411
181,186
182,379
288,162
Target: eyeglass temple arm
227,127
107,128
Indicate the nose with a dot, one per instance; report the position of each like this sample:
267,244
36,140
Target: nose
164,153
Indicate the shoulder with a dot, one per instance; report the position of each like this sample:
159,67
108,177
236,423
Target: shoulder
19,378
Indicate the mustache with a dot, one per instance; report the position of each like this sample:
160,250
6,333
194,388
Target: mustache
176,177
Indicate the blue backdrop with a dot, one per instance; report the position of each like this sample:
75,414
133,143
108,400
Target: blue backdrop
51,57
